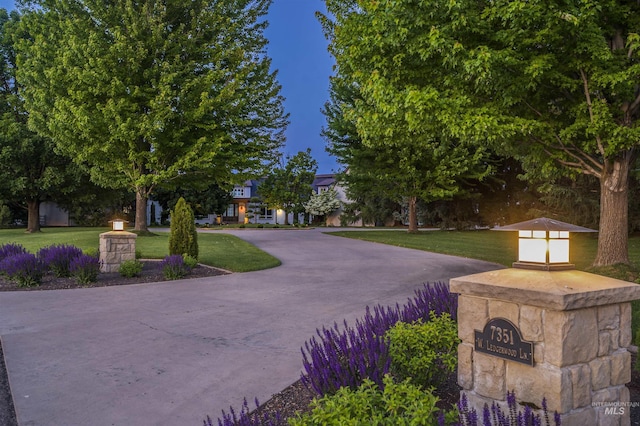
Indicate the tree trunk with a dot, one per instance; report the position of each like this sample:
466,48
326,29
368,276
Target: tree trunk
614,205
33,216
286,217
413,217
141,209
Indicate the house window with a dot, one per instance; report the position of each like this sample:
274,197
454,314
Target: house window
238,192
266,212
232,210
322,189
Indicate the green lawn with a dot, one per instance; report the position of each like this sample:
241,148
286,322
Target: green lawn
492,246
216,249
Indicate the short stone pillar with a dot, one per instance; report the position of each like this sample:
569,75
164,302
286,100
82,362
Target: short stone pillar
578,326
115,248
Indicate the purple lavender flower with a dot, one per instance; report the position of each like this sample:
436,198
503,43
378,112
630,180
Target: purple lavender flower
85,268
173,267
10,249
58,257
338,357
24,268
494,416
245,418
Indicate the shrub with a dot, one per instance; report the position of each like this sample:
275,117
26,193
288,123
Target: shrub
173,267
397,404
183,237
92,252
426,352
191,262
11,249
85,269
57,258
247,419
130,268
260,226
344,358
24,268
494,416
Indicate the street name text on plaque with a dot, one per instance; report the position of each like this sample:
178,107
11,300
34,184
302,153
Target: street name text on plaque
501,338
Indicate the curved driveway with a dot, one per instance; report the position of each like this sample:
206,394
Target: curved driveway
170,353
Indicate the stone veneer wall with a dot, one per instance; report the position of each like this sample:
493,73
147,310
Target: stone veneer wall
580,327
115,248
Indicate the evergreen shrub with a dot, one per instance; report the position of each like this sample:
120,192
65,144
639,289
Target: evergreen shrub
183,237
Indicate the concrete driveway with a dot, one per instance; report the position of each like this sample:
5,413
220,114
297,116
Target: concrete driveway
170,353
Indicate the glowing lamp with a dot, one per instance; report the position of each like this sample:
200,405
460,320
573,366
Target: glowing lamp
118,224
543,243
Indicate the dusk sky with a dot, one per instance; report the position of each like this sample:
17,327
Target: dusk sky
298,51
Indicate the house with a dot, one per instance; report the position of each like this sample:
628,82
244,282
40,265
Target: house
245,209
324,182
53,215
242,210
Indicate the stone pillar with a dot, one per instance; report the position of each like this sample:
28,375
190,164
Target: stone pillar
579,325
115,248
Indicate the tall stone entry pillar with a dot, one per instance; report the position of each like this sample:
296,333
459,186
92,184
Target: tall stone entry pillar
115,248
560,335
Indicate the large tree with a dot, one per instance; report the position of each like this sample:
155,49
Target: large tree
202,199
147,93
553,83
380,88
30,169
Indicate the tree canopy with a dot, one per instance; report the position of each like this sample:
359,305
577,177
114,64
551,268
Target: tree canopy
146,94
30,169
554,84
323,203
380,122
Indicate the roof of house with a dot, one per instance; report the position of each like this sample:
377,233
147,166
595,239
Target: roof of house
324,180
319,180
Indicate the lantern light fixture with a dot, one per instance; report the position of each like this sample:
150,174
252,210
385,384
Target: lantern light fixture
118,224
543,243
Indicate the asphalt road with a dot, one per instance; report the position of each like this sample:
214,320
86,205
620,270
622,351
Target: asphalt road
170,353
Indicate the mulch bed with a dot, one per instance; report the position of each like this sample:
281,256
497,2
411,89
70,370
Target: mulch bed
151,272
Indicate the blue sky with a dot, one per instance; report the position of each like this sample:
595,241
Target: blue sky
298,51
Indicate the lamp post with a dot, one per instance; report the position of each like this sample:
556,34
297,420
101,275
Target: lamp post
116,246
543,244
545,330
